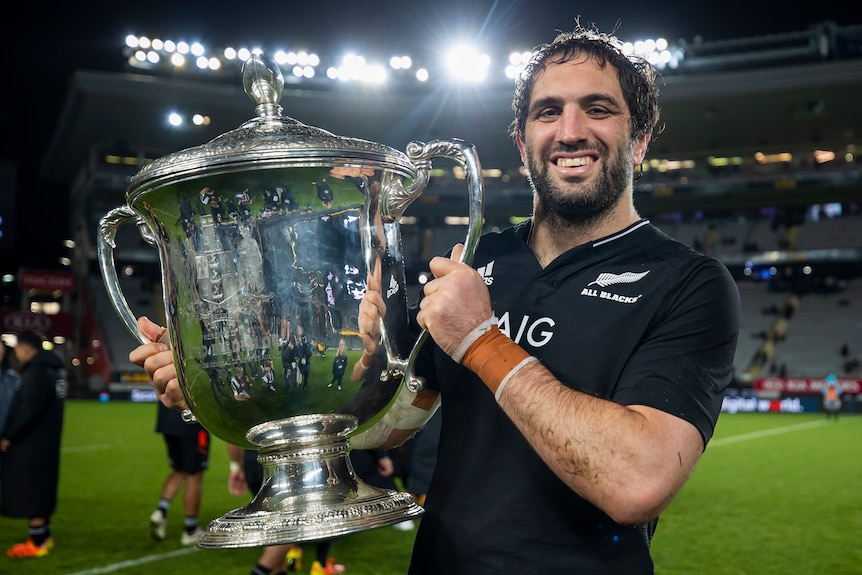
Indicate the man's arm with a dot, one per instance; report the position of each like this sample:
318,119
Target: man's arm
630,461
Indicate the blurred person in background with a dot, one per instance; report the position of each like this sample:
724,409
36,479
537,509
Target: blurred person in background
832,397
9,383
187,447
30,445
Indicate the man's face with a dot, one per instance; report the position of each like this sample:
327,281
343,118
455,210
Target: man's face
24,353
577,145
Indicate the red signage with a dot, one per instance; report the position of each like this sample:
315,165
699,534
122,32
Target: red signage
47,281
801,385
49,325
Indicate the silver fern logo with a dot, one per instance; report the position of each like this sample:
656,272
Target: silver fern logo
607,279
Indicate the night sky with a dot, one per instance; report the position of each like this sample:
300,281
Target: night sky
90,37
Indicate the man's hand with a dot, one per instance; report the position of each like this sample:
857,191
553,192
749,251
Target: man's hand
385,466
455,302
158,361
372,309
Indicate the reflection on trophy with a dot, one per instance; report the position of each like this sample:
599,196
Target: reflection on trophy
266,236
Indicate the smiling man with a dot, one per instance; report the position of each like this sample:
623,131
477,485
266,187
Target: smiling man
583,380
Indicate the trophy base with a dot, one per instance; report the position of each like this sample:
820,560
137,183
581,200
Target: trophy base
251,528
310,491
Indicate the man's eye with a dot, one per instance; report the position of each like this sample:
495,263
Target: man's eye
598,111
548,113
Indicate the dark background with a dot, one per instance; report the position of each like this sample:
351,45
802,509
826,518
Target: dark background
45,42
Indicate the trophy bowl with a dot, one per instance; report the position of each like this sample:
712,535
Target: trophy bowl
266,236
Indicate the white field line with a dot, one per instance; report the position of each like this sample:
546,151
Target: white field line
136,562
770,432
83,448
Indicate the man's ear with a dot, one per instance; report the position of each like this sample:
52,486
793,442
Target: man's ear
640,149
519,141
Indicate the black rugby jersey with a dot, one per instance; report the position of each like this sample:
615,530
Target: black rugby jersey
637,318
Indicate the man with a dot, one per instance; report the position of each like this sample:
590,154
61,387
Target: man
583,372
30,445
187,447
591,357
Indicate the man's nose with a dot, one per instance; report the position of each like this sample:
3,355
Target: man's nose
573,126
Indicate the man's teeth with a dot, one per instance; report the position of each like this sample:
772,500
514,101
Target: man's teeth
574,162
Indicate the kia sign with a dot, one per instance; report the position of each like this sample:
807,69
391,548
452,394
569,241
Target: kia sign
49,325
18,321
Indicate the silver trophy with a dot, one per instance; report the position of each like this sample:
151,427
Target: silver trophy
266,236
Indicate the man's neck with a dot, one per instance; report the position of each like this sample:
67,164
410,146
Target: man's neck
550,237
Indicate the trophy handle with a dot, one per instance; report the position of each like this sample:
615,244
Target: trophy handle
464,154
108,226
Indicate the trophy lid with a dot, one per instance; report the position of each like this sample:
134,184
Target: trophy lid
269,140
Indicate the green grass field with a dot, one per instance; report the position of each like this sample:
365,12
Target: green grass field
774,494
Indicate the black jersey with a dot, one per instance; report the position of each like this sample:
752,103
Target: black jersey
637,318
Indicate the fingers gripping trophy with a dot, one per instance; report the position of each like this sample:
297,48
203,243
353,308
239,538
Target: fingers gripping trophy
266,238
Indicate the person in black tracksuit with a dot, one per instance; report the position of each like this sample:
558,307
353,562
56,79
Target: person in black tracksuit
30,445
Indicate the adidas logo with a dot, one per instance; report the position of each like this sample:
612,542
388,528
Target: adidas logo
486,272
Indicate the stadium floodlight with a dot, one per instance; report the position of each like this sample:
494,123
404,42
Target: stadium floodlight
356,68
400,62
657,52
517,61
198,49
422,75
178,60
175,119
229,53
303,71
465,63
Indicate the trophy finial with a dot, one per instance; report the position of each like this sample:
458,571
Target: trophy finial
263,82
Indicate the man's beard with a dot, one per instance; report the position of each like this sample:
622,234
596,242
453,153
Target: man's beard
575,204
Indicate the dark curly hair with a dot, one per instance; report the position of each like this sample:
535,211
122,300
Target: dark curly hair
636,75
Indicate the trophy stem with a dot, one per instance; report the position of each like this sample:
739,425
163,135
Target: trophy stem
310,491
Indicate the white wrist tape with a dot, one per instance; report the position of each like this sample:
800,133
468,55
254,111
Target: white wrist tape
506,379
471,338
